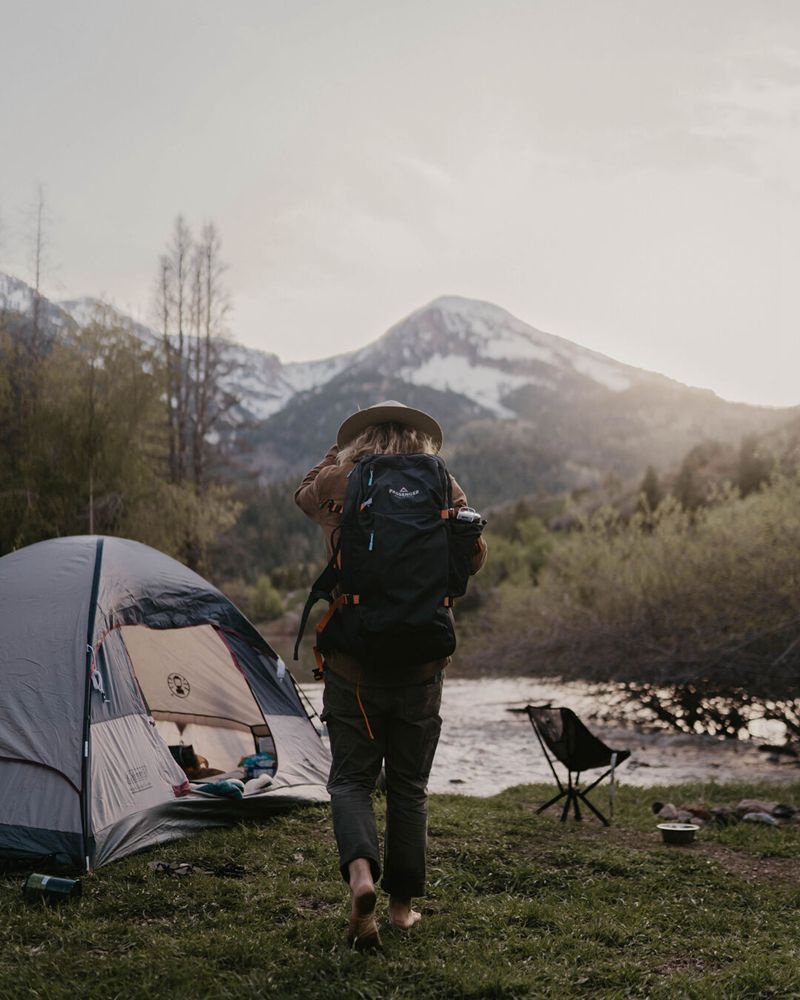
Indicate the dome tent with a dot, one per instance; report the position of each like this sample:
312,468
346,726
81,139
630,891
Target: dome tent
109,652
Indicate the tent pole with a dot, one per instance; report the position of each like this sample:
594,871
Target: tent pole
87,711
311,712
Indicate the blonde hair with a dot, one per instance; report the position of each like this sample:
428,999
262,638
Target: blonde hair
387,439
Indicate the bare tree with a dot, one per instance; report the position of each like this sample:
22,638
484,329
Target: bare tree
210,310
164,310
192,306
180,259
91,449
22,353
173,303
37,252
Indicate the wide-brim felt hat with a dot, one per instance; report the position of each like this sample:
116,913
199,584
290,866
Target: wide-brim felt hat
390,411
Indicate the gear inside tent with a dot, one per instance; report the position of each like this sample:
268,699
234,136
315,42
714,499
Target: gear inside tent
137,705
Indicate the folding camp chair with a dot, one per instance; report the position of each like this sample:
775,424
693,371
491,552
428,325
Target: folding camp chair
562,732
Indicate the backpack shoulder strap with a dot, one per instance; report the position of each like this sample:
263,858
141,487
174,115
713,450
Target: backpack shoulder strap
447,482
321,590
323,587
354,489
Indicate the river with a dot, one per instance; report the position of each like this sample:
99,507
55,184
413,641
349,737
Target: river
487,743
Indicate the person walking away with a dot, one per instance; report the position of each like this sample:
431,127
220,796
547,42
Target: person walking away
383,678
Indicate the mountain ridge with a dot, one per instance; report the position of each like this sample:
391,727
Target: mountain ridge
522,409
481,335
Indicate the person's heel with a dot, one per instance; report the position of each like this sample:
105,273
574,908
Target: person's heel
363,935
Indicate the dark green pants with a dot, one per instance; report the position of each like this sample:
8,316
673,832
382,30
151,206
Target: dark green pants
405,725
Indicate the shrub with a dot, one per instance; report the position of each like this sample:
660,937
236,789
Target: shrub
266,601
261,601
697,612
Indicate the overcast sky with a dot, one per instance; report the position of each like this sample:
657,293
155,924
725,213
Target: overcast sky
623,173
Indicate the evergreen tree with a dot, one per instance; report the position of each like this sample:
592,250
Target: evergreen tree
753,468
650,492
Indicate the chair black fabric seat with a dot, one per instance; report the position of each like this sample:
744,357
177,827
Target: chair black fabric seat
560,731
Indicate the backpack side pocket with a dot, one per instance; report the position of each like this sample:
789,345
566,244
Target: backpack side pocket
464,537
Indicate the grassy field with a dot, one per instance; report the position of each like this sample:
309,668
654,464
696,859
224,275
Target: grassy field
519,906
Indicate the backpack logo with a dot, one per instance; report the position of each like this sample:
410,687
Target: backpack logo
403,493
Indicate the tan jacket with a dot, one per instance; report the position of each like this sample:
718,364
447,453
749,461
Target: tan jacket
321,491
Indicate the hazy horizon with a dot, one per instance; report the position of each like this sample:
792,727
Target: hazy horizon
619,174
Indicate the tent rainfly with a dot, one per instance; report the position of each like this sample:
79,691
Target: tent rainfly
110,652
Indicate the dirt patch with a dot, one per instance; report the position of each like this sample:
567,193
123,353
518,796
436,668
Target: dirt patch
316,905
738,863
681,963
754,869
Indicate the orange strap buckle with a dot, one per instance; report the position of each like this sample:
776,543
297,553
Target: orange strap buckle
332,607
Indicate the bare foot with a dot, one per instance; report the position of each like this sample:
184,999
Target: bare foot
362,932
401,915
362,888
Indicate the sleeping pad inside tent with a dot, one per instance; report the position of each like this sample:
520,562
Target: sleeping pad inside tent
116,661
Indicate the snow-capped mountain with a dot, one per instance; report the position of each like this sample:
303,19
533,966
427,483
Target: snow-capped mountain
527,408
88,310
264,385
17,296
483,352
452,344
257,379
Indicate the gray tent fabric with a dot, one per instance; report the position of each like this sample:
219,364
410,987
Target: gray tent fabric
109,652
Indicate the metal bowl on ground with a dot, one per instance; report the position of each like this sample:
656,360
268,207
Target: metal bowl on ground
678,833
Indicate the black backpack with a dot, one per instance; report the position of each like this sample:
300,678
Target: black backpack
402,555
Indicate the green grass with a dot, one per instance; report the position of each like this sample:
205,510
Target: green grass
519,905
